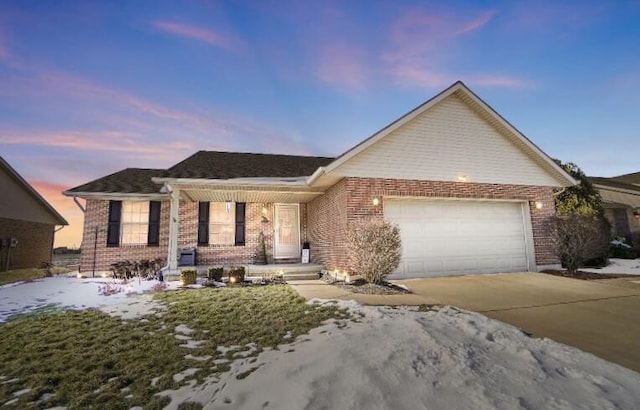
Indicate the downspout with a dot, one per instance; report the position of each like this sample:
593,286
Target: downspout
75,199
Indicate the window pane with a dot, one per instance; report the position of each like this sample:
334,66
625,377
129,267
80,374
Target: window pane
135,222
222,223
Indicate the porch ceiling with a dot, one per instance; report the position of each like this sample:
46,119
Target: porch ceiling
285,195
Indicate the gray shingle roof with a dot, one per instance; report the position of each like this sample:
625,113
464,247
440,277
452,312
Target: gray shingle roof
227,165
633,178
614,183
206,165
127,181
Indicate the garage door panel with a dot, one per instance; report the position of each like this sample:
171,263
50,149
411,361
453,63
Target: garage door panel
458,237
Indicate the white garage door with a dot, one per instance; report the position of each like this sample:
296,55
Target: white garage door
448,237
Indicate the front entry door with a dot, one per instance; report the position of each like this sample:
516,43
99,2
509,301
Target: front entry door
287,234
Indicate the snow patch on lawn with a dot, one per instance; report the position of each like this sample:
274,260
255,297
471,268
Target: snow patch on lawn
404,359
71,292
618,266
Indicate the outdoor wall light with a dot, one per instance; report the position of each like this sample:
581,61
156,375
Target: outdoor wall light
462,178
265,211
636,214
376,201
536,204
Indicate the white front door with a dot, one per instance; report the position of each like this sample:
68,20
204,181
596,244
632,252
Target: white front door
287,231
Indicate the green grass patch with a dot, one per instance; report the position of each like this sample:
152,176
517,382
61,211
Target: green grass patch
89,359
18,275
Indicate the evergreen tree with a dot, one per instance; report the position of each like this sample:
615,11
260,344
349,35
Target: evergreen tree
582,199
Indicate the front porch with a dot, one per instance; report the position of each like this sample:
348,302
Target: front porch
290,271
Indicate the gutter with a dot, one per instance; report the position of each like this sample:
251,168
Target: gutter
317,174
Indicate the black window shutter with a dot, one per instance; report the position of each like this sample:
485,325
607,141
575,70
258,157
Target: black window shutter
203,223
113,229
240,208
153,239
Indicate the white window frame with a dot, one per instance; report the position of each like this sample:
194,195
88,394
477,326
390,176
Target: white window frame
134,223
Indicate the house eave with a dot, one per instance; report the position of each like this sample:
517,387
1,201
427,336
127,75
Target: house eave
116,196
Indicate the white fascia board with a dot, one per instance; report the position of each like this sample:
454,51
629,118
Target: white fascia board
391,127
116,196
259,181
519,135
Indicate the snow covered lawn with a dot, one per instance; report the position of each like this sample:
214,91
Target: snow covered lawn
400,358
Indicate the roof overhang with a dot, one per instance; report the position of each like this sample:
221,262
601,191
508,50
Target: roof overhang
260,190
117,196
617,189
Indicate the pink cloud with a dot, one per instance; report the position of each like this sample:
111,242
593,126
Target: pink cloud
412,76
342,66
114,141
201,34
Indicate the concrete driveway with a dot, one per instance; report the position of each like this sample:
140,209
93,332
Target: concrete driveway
601,317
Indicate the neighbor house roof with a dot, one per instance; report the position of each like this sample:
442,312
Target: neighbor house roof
127,181
230,165
633,178
614,183
4,165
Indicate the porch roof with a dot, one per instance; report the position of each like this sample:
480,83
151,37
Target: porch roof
261,190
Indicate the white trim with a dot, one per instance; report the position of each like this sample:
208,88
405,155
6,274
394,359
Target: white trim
299,181
275,233
118,196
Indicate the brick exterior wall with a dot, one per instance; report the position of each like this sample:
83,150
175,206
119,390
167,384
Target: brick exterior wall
327,227
35,243
97,212
351,201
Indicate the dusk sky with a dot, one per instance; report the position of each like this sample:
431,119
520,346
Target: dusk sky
88,88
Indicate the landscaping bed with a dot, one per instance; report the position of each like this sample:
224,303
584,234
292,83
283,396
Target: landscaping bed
587,275
361,286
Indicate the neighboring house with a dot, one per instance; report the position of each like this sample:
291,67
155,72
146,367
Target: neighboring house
621,202
26,218
469,192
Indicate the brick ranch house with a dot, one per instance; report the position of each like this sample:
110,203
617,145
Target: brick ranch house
469,192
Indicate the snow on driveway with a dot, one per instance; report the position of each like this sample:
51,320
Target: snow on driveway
395,358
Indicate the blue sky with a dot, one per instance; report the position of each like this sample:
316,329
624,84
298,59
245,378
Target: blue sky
89,88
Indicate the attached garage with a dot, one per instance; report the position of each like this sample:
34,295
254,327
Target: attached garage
453,237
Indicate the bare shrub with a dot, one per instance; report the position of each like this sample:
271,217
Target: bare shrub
579,238
374,249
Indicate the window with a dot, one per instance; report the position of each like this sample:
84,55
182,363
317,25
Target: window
134,223
222,220
221,223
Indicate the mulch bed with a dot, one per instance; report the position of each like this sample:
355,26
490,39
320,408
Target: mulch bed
587,275
361,286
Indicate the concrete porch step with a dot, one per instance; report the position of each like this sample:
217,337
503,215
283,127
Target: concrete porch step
291,271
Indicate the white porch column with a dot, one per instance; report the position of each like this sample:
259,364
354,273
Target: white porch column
172,258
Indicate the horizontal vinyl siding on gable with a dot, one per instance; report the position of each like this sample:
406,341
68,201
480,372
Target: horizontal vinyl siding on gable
443,143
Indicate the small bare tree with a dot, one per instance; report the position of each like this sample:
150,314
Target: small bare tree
374,249
578,238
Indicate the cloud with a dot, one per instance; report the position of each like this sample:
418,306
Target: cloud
93,141
410,76
201,34
342,66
